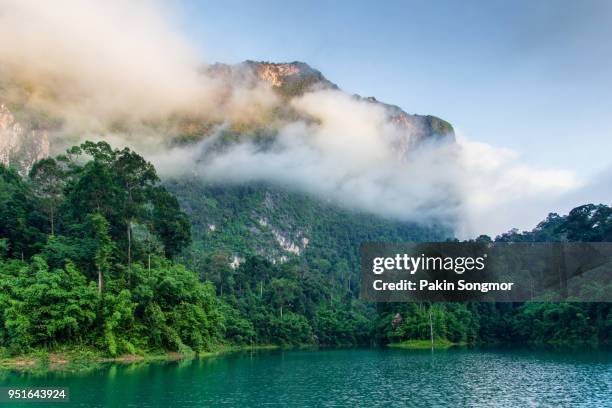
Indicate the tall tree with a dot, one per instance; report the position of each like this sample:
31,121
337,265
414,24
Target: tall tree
103,247
136,176
48,180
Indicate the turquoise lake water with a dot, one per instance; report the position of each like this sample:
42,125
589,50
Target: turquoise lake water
345,377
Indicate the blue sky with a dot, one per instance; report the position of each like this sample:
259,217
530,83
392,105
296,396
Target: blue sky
533,76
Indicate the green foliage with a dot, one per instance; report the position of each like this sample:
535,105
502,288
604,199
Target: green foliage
89,244
20,222
561,323
323,285
290,329
341,327
288,304
551,323
246,218
4,247
103,246
45,308
73,273
48,180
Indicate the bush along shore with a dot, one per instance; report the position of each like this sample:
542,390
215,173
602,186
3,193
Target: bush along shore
79,359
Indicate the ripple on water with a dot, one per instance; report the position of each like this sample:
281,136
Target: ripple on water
350,377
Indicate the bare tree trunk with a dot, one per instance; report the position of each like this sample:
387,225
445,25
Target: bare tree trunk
562,271
431,329
281,311
129,249
100,281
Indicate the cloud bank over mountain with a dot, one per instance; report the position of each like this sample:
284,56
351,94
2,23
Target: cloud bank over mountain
123,72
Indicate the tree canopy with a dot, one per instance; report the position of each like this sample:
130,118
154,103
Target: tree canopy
96,252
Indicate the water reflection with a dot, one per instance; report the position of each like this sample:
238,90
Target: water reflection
353,377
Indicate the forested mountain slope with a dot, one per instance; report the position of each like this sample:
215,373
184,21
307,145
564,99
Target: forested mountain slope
98,251
277,224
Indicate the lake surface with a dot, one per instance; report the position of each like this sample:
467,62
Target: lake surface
347,377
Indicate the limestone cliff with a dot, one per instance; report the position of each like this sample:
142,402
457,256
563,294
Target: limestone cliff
295,78
20,145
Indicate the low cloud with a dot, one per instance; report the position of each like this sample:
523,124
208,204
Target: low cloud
348,154
98,66
500,191
122,71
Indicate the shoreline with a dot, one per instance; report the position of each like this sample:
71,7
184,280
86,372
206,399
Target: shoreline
82,360
79,360
438,344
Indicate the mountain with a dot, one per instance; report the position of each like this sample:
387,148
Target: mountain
240,220
26,122
294,79
279,224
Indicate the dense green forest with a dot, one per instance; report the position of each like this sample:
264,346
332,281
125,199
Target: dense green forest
96,252
553,323
249,220
86,245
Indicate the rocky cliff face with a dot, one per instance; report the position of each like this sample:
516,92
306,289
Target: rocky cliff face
22,143
276,74
291,78
20,146
295,78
